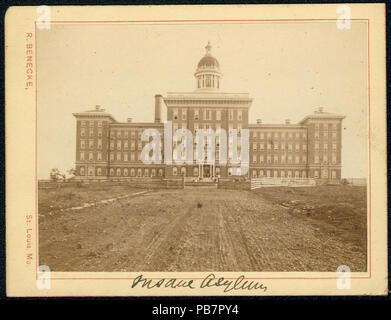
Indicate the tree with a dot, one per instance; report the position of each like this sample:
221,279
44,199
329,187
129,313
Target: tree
56,175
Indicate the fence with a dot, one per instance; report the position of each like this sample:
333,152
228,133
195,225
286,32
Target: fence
284,182
234,184
146,183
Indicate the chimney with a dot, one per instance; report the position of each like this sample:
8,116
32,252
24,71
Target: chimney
287,121
97,107
129,120
259,121
158,108
320,109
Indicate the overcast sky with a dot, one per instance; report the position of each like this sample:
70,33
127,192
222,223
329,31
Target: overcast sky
288,68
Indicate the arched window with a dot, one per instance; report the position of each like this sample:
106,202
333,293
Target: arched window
254,173
91,171
118,172
126,172
132,172
195,172
160,172
111,172
146,172
82,171
153,172
183,171
139,172
174,171
99,171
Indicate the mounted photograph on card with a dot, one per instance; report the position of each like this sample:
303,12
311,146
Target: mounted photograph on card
196,150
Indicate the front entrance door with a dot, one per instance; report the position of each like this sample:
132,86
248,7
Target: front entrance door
206,171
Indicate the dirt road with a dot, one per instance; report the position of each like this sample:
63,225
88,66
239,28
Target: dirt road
195,229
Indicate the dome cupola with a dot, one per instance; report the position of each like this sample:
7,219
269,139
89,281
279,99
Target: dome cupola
208,73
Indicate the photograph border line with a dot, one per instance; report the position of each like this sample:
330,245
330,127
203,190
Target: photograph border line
369,260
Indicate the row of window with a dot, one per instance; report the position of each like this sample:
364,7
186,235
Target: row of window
325,134
282,146
325,126
279,159
292,173
91,123
123,172
325,159
277,135
83,132
206,114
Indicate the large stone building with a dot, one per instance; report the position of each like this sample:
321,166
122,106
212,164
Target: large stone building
108,149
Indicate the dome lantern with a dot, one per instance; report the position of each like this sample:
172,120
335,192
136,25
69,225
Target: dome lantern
208,73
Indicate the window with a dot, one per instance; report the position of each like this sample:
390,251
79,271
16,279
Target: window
146,172
119,134
82,144
276,146
132,145
82,171
99,143
269,159
111,145
334,158
208,114
304,159
90,156
297,159
325,158
126,172
132,172
174,171
133,134
316,159
297,135
230,115
118,156
297,147
261,146
254,158
304,174
111,172
126,145
125,157
254,146
289,174
99,171
91,171
262,135
99,132
297,174
91,144
261,173
333,174
175,114
111,156
304,147
334,135
275,173
282,146
276,159
316,134
99,124
160,172
99,156
183,171
218,115
290,135
283,159
239,115
289,159
325,146
334,146
132,156
118,145
304,135
82,132
139,172
254,173
282,174
290,146
269,146
196,115
316,146
83,123
126,134
118,172
268,173
91,123
325,134
184,114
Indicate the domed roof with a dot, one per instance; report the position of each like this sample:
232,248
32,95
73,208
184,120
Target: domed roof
208,61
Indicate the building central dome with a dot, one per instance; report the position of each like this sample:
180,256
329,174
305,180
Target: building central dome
208,73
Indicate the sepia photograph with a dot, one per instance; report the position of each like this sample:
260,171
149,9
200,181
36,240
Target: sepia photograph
196,150
299,89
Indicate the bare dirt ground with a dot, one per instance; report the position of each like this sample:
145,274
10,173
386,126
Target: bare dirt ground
205,229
